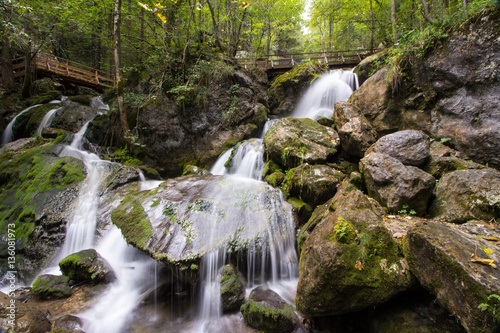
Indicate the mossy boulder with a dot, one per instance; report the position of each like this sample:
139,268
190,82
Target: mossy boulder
275,179
174,222
355,132
444,159
87,266
292,142
411,147
232,290
266,311
194,170
349,261
133,221
370,65
52,286
457,264
396,185
466,195
37,190
314,184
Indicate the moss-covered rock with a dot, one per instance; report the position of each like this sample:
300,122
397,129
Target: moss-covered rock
446,259
87,266
232,290
194,170
292,142
314,184
466,195
52,286
349,261
130,217
275,179
266,311
32,178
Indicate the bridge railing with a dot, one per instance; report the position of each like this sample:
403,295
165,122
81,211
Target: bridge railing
68,68
348,57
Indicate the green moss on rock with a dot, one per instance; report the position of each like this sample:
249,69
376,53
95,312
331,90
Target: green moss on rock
133,221
52,286
87,265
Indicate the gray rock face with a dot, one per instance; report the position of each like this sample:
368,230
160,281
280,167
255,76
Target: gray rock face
87,265
444,159
467,194
440,257
395,185
450,94
349,261
355,132
292,142
266,311
314,184
410,147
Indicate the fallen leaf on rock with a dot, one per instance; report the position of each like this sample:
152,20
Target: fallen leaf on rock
483,261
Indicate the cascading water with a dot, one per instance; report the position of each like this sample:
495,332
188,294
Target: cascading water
320,98
7,133
47,120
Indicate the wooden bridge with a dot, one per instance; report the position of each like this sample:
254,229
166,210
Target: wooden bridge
49,65
333,59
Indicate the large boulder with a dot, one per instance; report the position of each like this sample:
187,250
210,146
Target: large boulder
232,290
314,184
292,142
458,265
444,159
449,93
349,261
409,146
174,222
355,132
87,266
396,185
374,99
466,195
266,311
52,286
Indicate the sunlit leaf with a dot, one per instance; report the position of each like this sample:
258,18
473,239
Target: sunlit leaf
146,7
163,18
487,250
359,265
482,261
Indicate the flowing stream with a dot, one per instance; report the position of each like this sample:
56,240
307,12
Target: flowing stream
271,259
7,133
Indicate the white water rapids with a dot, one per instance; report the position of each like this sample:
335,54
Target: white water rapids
271,261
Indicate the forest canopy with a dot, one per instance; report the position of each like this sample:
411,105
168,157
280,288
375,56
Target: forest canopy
164,36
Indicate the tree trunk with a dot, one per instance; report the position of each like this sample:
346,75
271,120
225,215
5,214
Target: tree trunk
372,27
26,92
7,71
426,13
118,77
393,21
216,27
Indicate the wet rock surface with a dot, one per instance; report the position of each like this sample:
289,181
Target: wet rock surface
232,290
87,266
52,286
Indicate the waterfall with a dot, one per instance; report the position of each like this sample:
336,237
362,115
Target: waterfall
7,133
47,120
97,103
319,100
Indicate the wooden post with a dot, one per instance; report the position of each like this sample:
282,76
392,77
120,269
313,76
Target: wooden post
67,67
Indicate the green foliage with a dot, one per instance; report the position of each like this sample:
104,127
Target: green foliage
343,232
492,305
404,211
